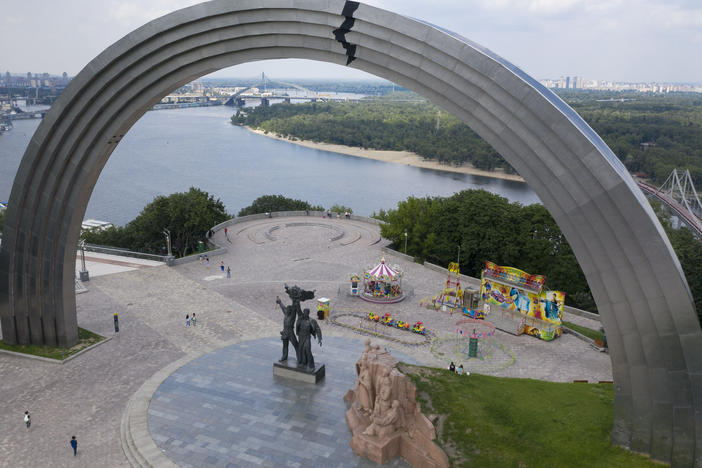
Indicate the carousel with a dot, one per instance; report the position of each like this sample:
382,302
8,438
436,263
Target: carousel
382,284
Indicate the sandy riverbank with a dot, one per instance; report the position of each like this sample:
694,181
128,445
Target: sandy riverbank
398,157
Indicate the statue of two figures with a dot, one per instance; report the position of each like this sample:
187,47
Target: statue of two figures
299,328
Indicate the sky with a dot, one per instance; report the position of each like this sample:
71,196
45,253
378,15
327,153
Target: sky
614,40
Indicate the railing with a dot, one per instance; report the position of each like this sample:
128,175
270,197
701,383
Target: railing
125,253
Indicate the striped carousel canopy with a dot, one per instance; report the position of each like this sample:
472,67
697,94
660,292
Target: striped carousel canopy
383,272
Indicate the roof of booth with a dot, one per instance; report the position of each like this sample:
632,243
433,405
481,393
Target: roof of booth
383,272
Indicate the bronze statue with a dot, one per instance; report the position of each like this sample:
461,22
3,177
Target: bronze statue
297,295
291,324
287,334
306,329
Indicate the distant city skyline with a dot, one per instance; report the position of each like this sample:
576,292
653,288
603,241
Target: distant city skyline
645,41
32,79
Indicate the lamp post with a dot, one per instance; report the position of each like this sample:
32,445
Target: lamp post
84,275
167,233
405,242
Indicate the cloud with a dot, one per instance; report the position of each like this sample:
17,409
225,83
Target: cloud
682,18
551,7
135,13
545,37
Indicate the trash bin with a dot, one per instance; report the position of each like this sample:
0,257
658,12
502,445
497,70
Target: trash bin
200,246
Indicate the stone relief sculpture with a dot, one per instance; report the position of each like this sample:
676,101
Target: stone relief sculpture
387,422
365,387
384,416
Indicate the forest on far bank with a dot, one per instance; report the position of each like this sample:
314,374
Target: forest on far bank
650,133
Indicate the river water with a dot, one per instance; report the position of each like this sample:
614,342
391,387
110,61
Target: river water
170,151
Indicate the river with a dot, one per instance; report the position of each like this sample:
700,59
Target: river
170,151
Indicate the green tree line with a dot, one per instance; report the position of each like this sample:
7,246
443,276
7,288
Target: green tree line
381,124
271,203
187,215
651,134
489,227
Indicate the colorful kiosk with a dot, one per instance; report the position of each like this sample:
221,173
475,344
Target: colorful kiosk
382,284
323,304
519,302
355,280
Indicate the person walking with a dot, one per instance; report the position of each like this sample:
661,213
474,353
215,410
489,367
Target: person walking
229,272
207,261
226,233
74,445
187,320
221,266
27,420
193,319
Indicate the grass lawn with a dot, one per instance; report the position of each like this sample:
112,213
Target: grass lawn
85,338
502,422
589,332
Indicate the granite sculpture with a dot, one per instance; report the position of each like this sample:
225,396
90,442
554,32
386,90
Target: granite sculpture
384,416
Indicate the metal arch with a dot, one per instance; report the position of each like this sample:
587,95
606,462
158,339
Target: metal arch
641,292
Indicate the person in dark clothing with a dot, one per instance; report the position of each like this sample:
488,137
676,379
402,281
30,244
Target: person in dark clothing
74,445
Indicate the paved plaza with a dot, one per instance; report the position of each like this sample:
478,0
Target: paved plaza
227,409
88,395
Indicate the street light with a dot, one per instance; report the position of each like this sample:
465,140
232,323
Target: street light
167,233
84,275
405,242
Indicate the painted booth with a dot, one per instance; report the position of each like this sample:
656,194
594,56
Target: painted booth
523,303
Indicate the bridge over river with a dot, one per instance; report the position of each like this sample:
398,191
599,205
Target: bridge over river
679,195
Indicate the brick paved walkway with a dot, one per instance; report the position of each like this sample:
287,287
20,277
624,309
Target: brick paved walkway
87,396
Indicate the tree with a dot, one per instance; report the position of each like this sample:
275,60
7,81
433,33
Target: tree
271,203
187,215
488,227
689,252
651,134
336,208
